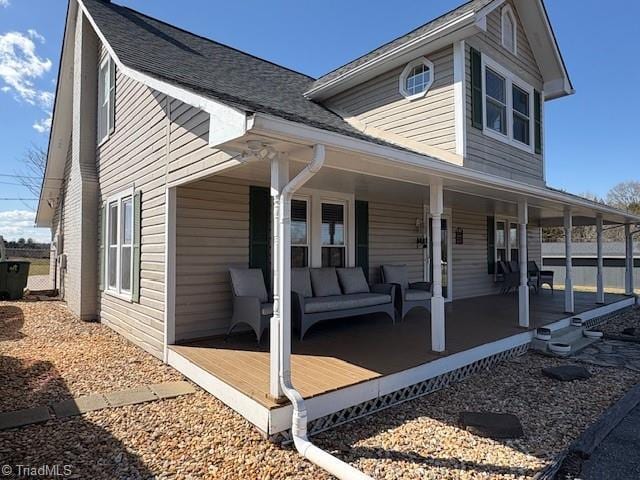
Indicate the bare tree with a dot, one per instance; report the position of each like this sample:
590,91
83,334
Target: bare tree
31,174
626,196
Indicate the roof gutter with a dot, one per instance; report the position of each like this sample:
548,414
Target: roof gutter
275,127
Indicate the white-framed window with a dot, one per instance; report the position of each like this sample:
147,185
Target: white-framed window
106,99
299,232
508,103
507,241
509,30
119,251
322,229
416,78
333,230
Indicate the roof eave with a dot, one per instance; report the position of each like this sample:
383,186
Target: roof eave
454,30
275,127
45,210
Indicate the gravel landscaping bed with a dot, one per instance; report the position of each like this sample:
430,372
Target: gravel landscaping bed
196,436
627,319
47,355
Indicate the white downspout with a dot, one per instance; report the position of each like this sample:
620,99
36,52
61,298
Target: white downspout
282,306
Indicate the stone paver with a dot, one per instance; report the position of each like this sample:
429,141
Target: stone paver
80,405
612,353
492,425
171,389
130,397
20,418
567,373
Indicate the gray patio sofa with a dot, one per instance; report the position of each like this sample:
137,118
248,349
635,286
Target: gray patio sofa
320,294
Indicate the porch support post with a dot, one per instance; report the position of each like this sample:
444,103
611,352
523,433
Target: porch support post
436,206
569,303
523,291
279,178
600,264
628,273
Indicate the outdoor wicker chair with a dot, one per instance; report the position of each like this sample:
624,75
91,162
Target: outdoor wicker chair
409,295
251,304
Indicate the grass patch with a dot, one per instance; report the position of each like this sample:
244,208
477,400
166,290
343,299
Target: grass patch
39,266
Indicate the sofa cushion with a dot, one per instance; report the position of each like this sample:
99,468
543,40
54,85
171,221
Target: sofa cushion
248,282
396,274
345,302
266,309
324,282
301,282
413,294
352,280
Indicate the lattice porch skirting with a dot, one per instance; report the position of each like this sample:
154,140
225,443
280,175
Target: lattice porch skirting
403,395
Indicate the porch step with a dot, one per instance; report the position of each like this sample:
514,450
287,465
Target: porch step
571,336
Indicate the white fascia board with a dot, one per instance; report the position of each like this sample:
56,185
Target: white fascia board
457,29
274,127
230,122
60,131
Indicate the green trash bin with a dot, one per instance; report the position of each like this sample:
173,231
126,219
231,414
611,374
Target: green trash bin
13,279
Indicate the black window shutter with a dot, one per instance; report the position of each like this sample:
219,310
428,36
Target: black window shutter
259,222
491,243
137,241
537,110
103,241
362,236
476,89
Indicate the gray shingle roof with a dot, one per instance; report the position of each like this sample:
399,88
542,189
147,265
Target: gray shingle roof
212,69
473,5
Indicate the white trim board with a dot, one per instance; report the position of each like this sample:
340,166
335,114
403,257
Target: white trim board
328,403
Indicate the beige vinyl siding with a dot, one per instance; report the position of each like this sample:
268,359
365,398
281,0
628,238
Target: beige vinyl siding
393,238
212,234
470,272
534,244
71,219
429,120
135,157
485,153
156,139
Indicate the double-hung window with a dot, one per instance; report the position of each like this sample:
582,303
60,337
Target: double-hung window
299,233
106,99
119,251
508,103
507,241
496,98
332,235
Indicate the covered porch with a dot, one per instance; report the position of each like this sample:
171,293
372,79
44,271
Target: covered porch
447,225
346,352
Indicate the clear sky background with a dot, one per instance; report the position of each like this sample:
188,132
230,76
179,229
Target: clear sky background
590,137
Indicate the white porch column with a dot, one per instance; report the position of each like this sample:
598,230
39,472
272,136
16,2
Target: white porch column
436,205
628,272
600,264
279,178
569,303
523,291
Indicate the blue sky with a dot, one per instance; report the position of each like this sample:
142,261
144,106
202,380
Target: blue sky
590,136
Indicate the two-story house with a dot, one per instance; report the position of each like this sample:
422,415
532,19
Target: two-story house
174,158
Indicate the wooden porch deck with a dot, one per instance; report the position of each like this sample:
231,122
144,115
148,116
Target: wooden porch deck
345,352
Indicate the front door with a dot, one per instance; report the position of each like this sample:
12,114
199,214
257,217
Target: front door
445,255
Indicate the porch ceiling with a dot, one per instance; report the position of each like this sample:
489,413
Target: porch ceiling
371,181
